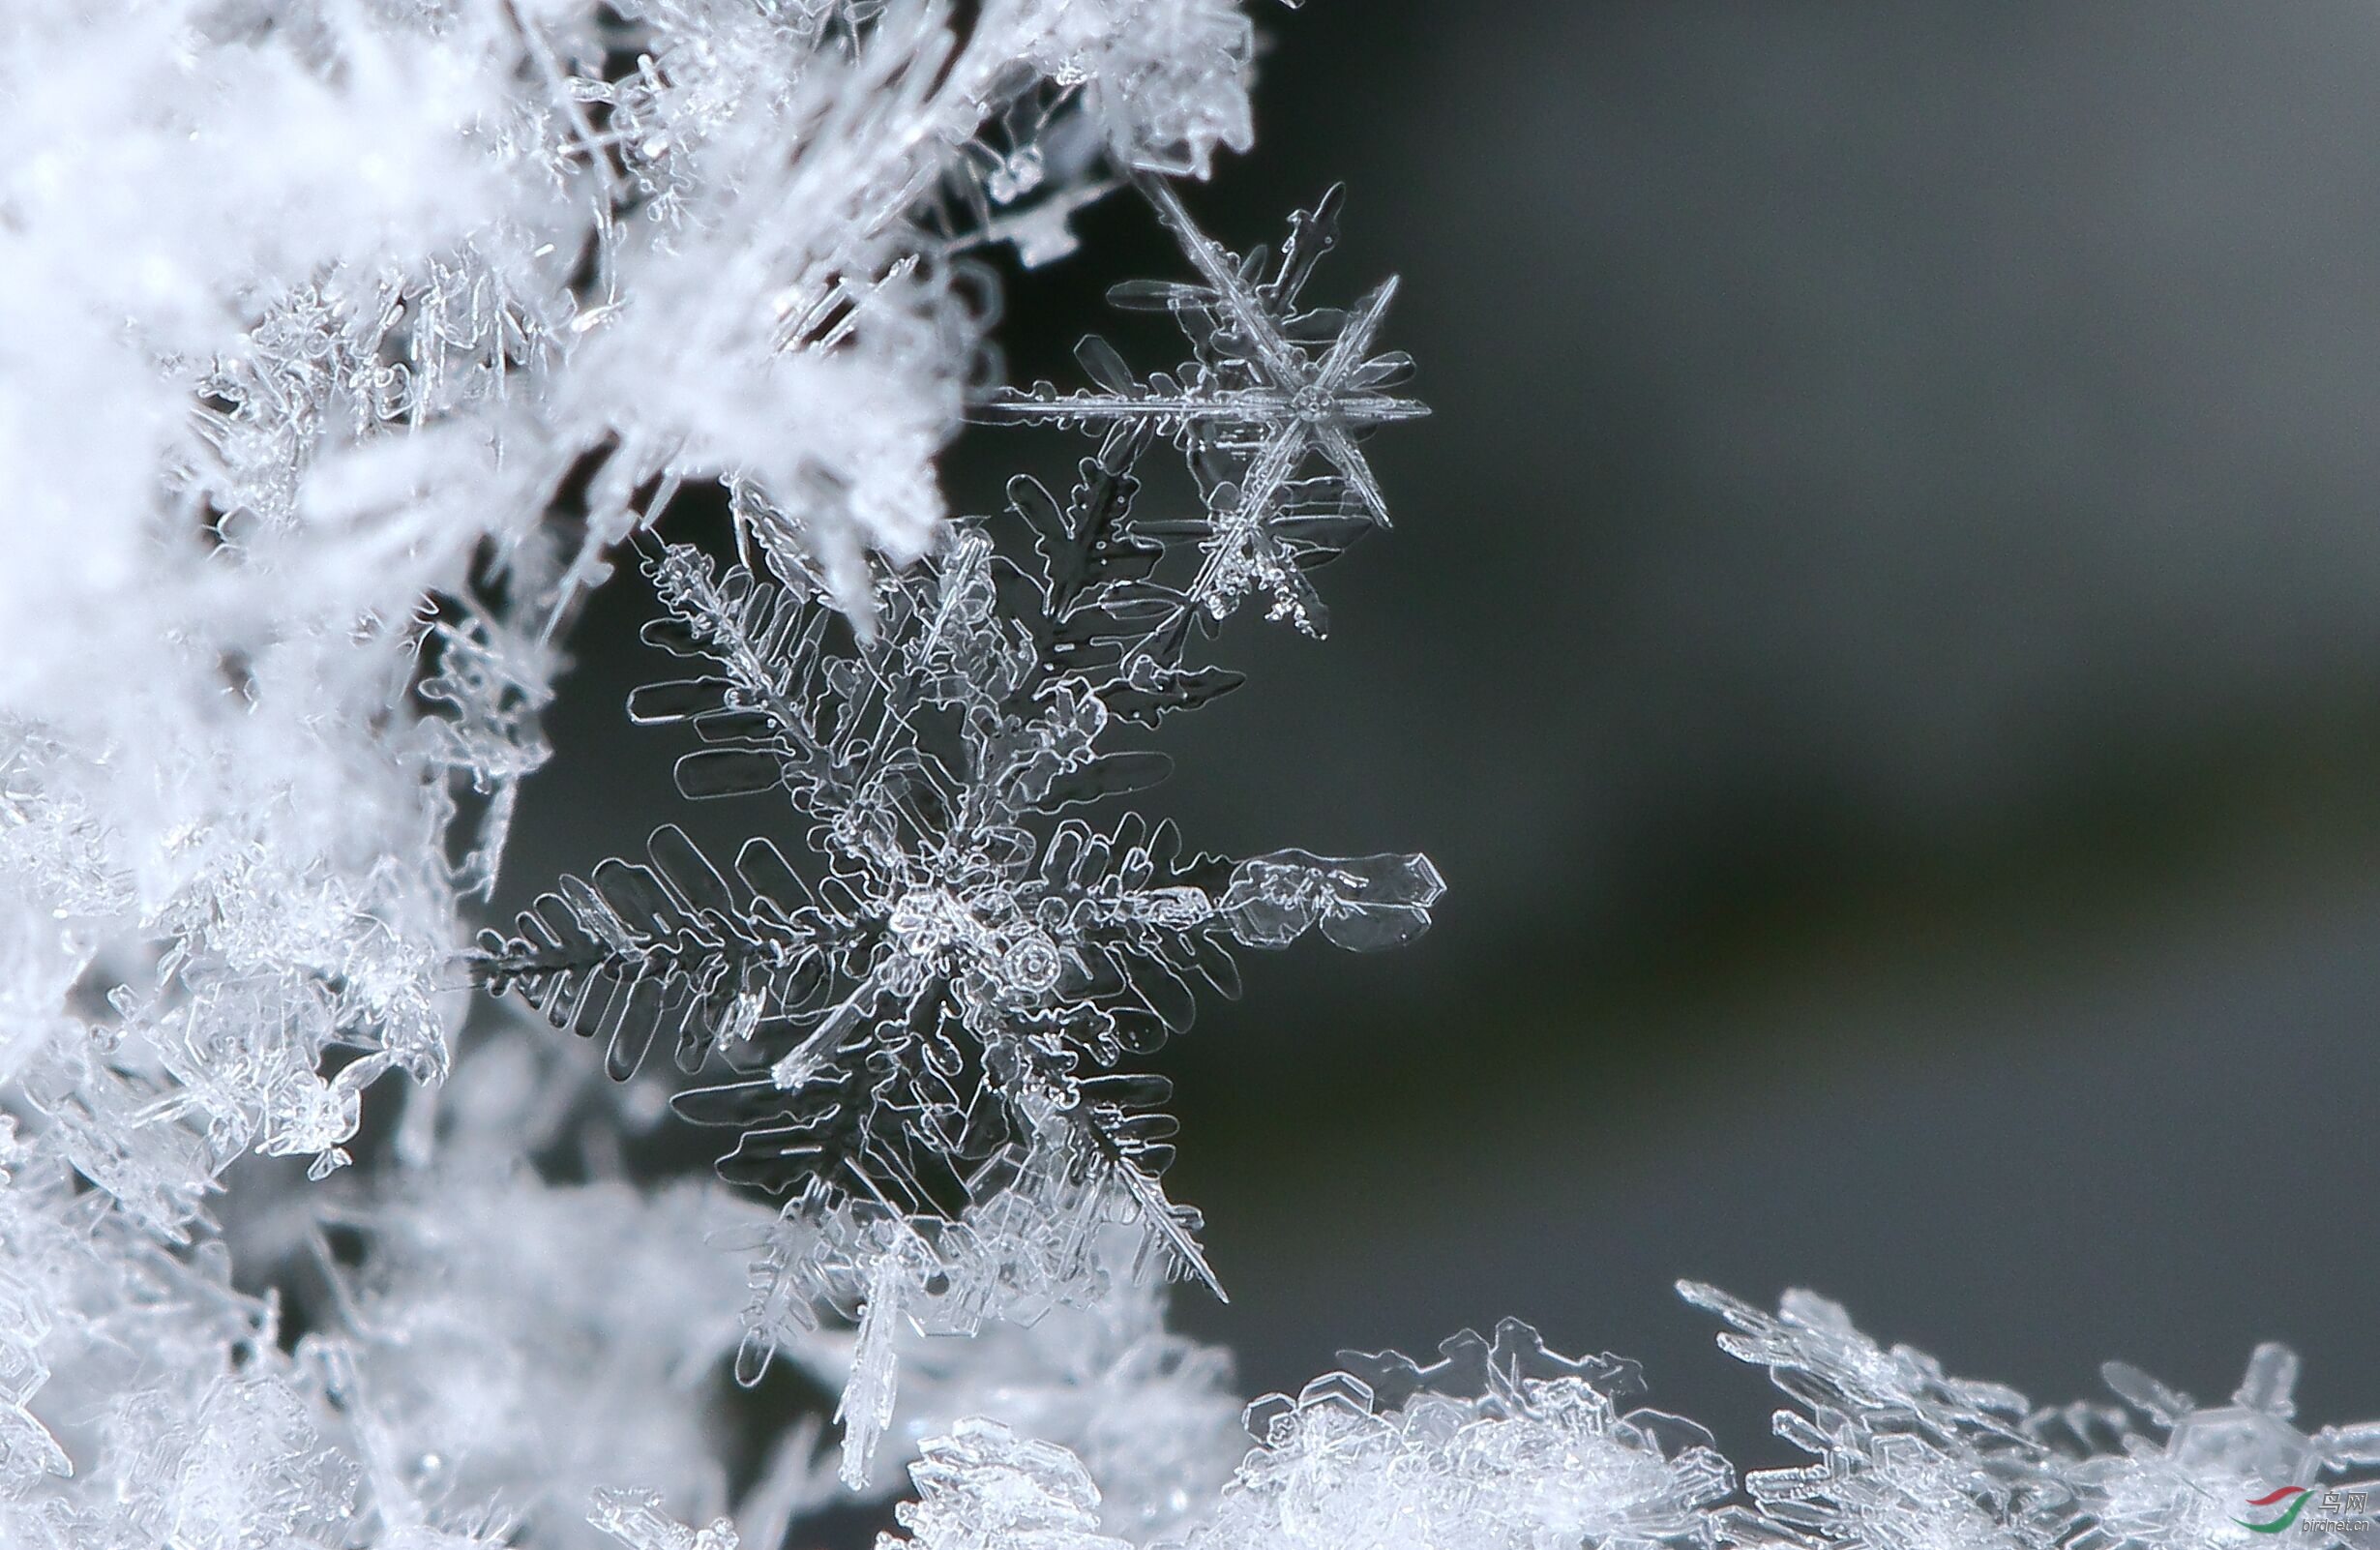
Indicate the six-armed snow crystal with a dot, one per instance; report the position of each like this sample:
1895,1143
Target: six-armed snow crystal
924,1021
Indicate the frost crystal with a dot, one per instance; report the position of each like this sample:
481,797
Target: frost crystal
983,1488
1501,1446
1908,1458
634,1519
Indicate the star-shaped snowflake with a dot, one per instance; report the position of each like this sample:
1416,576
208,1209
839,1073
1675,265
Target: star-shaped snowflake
1271,390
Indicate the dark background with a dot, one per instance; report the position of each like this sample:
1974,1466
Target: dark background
1880,638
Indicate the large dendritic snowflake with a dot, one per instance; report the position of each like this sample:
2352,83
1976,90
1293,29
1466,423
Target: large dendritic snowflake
925,1018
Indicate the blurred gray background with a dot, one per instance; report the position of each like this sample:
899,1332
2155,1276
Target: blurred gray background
1881,639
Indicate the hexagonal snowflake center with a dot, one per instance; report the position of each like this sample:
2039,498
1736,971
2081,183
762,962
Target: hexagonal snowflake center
928,925
927,922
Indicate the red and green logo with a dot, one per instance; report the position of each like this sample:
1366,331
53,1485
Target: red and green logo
2297,1496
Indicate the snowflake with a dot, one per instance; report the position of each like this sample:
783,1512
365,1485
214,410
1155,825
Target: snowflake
924,1021
1271,388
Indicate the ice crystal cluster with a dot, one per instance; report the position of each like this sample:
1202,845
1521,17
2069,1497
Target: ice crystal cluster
346,347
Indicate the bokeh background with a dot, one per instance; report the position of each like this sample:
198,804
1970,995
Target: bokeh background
1882,637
